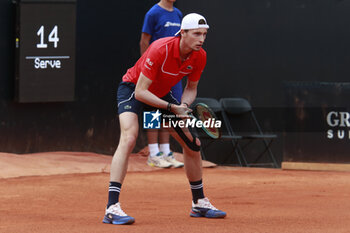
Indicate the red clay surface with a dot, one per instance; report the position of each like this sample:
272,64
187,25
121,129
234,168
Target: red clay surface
256,200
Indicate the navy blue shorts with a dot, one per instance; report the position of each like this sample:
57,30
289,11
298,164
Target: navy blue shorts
176,91
127,102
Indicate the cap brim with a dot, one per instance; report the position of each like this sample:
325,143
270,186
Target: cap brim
178,32
204,26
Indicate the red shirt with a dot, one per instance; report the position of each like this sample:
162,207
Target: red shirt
162,64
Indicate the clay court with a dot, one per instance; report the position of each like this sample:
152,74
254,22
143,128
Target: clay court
67,192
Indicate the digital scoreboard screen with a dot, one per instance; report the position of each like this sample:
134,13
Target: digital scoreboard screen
45,50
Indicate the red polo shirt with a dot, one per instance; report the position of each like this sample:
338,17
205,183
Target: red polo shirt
162,64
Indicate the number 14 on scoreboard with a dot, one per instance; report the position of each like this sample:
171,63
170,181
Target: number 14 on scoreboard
53,37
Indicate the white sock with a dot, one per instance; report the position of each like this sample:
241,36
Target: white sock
165,148
153,149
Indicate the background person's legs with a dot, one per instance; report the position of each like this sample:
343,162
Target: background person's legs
156,157
164,147
160,154
152,138
163,136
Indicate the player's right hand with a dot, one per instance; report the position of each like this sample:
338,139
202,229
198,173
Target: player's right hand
181,111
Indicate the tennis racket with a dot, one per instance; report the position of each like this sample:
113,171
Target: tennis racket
203,113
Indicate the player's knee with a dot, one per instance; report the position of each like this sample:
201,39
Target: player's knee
191,152
195,145
129,140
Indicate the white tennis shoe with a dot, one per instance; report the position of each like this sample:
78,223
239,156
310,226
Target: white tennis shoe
203,208
170,158
158,161
115,215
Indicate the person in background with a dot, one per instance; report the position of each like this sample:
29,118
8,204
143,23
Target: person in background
162,20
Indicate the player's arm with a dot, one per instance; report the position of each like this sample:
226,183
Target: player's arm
190,92
144,95
144,42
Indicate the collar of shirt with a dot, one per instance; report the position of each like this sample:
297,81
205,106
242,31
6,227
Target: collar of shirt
177,51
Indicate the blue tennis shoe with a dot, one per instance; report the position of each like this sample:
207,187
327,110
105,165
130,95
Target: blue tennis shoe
115,215
204,208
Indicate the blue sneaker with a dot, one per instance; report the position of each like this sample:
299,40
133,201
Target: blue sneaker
204,208
115,215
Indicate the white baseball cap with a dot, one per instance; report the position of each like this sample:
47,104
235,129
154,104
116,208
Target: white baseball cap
193,21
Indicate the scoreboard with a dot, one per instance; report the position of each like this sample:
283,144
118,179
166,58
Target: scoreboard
45,50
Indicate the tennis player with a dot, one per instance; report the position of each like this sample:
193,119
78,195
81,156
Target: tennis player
148,83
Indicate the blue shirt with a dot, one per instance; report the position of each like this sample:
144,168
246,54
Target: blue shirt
161,23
